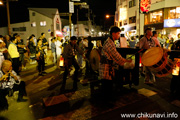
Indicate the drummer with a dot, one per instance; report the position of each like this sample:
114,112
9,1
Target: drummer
147,42
109,54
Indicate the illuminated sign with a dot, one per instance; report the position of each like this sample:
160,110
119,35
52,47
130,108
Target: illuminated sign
71,7
145,5
59,33
171,23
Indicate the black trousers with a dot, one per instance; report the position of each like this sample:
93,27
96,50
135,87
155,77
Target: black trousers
75,77
107,88
21,59
174,86
15,64
4,92
41,64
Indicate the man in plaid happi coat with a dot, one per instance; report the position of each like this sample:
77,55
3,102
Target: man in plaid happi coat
109,56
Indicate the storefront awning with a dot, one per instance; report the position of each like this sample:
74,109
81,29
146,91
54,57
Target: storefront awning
156,26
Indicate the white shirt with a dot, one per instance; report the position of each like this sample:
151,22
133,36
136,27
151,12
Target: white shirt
123,42
58,49
1,58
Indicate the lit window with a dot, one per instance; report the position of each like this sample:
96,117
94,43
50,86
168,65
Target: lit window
172,13
33,24
178,12
156,17
33,14
43,23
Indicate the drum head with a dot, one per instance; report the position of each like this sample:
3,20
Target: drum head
94,59
152,56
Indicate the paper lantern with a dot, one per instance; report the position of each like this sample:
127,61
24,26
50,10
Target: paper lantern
175,70
145,5
140,62
61,62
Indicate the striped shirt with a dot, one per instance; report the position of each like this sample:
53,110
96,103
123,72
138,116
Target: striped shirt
106,71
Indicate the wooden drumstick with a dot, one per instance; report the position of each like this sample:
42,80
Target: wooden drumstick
135,53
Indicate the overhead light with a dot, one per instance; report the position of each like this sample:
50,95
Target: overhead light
107,16
1,3
84,3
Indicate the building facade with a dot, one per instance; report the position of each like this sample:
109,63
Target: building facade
45,20
163,16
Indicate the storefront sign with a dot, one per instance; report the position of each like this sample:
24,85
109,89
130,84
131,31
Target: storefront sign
71,7
59,33
145,5
57,25
172,23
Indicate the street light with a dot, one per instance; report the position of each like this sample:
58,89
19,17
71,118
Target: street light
108,16
84,3
8,14
1,3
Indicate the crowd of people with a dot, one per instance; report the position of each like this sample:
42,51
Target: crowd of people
14,49
160,39
13,56
14,53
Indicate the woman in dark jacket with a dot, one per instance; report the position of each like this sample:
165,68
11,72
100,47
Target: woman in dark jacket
40,57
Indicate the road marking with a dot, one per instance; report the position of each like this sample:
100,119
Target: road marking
146,92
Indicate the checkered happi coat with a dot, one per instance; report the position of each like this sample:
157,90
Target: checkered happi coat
110,52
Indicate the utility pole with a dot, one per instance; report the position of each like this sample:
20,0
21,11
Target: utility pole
70,14
77,23
139,17
79,4
70,24
89,22
8,17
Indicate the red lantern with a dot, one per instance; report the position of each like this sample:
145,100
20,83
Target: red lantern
61,62
145,5
140,63
176,68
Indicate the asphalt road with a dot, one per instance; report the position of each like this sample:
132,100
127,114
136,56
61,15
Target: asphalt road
142,100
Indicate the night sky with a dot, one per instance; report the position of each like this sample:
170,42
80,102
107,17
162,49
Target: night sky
99,9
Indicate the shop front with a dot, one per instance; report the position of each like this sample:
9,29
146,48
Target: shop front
154,20
172,27
165,21
129,30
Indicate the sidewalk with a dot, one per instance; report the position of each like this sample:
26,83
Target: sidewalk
22,110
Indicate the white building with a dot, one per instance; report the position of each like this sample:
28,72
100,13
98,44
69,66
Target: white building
163,16
45,20
83,29
79,30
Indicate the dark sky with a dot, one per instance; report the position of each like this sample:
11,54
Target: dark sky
99,9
